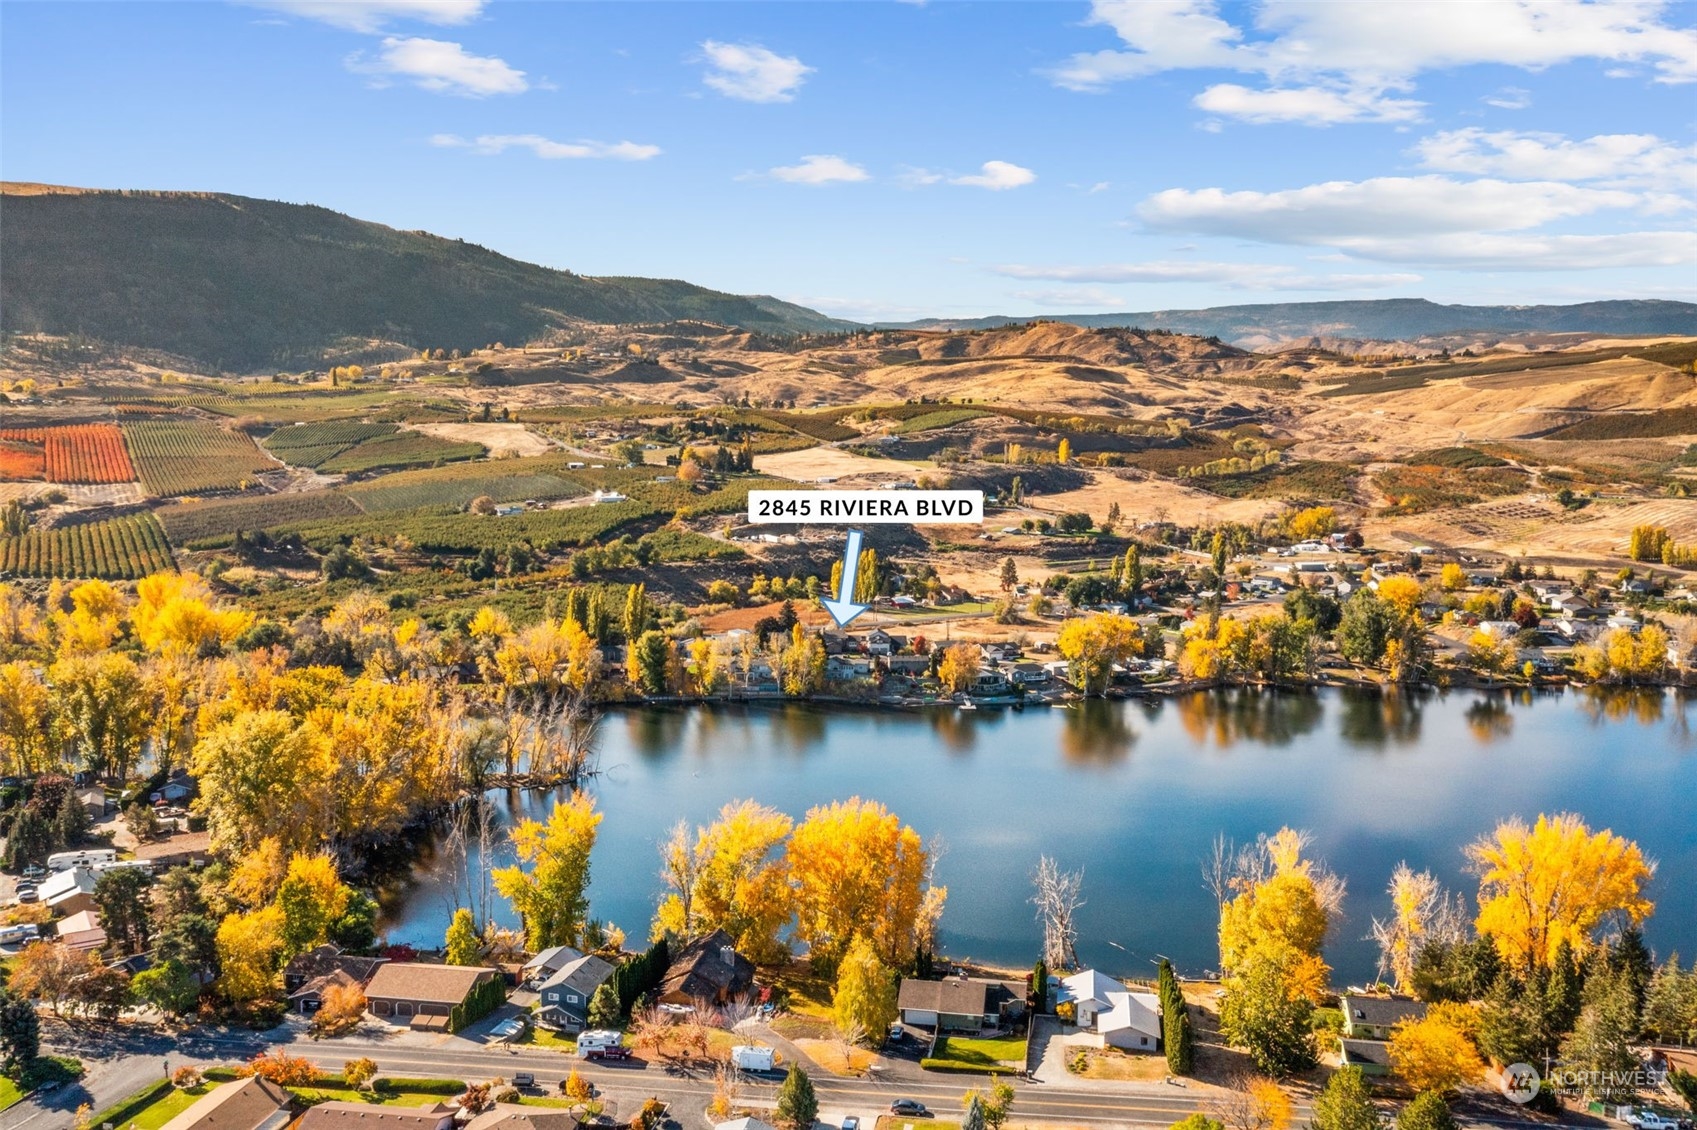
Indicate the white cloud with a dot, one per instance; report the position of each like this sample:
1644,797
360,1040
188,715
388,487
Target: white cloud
490,144
1320,57
1337,211
1309,105
997,176
910,176
371,16
1072,296
816,169
751,73
441,66
1535,252
1235,276
1509,98
1614,158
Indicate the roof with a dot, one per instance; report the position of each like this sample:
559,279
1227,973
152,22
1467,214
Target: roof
507,1116
1365,1051
744,1124
368,1116
315,987
62,884
707,967
956,996
1090,985
552,958
81,920
583,974
246,1104
415,981
1140,1012
326,959
1381,1011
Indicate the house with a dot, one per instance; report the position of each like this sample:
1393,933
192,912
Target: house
424,995
1132,1021
511,1116
67,892
81,931
1028,674
709,968
1087,992
547,963
1372,1056
1373,1017
309,998
880,642
323,960
1571,605
911,665
253,1103
93,801
959,1004
1499,629
368,1116
845,668
563,999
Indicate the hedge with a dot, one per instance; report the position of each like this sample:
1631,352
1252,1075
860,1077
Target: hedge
962,1067
419,1086
480,1002
127,1109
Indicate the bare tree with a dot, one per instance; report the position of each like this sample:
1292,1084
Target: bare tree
1058,897
680,867
849,1037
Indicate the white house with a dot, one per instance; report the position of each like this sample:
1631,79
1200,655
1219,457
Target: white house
1132,1021
1088,993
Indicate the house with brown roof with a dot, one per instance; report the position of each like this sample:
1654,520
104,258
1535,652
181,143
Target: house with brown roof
959,1004
246,1104
509,1116
368,1116
709,968
309,974
444,997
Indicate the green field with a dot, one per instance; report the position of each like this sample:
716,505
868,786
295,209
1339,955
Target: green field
399,450
393,493
462,533
311,445
186,457
115,549
941,419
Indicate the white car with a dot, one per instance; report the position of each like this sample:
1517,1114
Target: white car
1650,1120
510,1029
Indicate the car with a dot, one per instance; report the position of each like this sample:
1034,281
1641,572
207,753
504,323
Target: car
1650,1120
35,871
611,1051
523,1079
913,1108
851,1123
28,894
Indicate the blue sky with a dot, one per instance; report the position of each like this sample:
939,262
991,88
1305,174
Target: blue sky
892,160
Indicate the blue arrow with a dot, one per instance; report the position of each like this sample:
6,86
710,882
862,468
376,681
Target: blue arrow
843,609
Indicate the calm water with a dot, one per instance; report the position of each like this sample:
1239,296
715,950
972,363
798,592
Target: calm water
1136,792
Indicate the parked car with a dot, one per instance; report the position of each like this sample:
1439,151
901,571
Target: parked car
1650,1120
523,1079
28,893
851,1123
913,1108
607,1051
35,871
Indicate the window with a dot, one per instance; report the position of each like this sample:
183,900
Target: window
571,998
1359,1015
553,996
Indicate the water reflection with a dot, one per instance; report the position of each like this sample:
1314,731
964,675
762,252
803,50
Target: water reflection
1489,719
1271,717
656,732
955,730
1643,705
1096,731
1377,719
799,728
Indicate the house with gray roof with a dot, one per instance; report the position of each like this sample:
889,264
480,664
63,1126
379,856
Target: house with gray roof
563,999
1372,1017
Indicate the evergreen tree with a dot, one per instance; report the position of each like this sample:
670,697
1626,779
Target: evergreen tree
1631,958
1176,1038
1346,1103
71,823
1428,1111
1670,1004
1040,987
604,1006
126,910
1563,991
798,1106
1601,1041
974,1117
20,1033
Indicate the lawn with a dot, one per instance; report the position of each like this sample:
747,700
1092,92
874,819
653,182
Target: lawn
9,1092
152,1106
385,1097
904,1122
955,1053
829,1055
1111,1063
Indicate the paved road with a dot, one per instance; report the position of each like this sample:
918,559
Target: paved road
123,1060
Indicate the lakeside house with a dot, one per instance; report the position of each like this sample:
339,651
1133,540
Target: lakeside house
254,1103
960,1004
428,996
547,963
708,969
1368,1017
563,999
1373,1057
1118,1017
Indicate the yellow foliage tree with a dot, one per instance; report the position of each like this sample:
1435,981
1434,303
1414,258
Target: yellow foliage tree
1554,883
261,772
1452,577
864,1001
857,871
176,611
248,946
959,666
1403,593
1091,645
552,895
734,877
1435,1053
1314,522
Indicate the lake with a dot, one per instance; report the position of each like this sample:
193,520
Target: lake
1135,792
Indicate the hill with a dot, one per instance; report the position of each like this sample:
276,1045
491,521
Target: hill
1389,319
242,284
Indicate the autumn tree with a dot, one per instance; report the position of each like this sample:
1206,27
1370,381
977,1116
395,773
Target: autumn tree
260,773
461,942
730,875
100,704
1422,915
959,666
1093,644
249,946
47,972
1554,884
1311,523
1255,1103
359,1072
1436,1052
549,884
1010,574
865,996
856,870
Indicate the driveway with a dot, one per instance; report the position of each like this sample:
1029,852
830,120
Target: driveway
1051,1043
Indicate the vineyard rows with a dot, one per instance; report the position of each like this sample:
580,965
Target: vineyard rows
312,445
387,496
116,549
402,449
195,525
179,457
77,453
